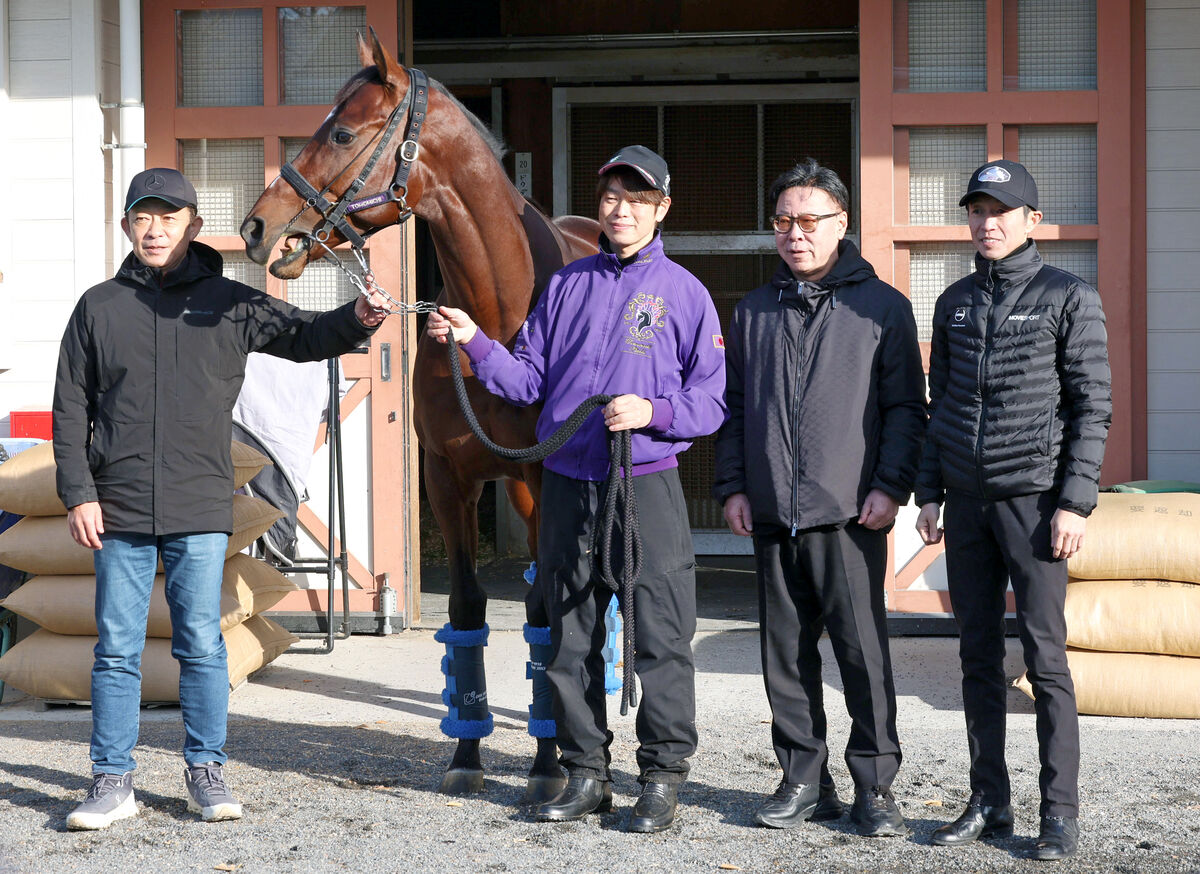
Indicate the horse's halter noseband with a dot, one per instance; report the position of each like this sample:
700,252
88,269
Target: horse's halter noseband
334,215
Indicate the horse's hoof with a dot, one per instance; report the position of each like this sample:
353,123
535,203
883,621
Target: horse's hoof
541,788
461,781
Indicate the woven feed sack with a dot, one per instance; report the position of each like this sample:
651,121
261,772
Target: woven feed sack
27,485
1141,537
43,544
1132,684
59,666
1150,616
256,642
66,604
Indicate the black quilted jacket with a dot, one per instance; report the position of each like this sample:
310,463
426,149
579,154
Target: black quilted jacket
1020,398
826,397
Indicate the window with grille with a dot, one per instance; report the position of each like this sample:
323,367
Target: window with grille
932,268
238,267
1062,159
597,132
940,161
220,57
1073,256
947,45
319,51
228,175
1056,46
321,287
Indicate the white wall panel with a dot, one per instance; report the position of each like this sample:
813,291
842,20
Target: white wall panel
1172,244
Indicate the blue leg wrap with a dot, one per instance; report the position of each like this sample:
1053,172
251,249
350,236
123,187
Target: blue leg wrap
541,711
465,695
612,647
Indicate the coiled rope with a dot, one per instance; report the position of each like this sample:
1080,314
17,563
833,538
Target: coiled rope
620,491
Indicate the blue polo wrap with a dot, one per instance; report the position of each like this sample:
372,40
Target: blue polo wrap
465,695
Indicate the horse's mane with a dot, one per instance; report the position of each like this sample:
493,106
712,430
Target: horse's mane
371,74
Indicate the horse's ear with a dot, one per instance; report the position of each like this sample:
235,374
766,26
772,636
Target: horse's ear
380,58
365,58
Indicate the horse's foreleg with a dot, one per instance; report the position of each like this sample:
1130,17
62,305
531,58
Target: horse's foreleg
454,504
546,778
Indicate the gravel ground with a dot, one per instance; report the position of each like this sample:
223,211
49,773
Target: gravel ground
337,760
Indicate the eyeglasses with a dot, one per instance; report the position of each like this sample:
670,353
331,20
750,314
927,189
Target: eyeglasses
808,223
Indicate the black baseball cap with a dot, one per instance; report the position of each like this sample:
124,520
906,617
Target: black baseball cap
649,165
163,183
1007,181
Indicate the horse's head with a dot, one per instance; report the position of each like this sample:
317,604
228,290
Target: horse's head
331,161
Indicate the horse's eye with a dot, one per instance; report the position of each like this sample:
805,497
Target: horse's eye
343,137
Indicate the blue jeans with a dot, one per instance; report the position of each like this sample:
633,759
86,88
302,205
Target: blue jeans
125,570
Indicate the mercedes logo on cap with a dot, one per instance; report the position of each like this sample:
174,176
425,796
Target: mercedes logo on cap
155,182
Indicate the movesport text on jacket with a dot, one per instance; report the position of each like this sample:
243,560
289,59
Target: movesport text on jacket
647,328
1020,397
826,396
148,373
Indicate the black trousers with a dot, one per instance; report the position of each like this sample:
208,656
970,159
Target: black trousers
987,544
665,614
828,578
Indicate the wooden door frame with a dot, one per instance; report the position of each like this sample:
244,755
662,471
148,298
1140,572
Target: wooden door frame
1120,228
392,560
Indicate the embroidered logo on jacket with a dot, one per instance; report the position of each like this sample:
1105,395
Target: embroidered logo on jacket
960,314
645,313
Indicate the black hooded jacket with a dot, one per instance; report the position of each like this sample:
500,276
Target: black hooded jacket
148,373
1019,385
826,396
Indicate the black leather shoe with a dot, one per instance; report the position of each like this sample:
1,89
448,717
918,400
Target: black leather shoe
875,814
791,805
581,796
1058,839
978,821
830,807
655,810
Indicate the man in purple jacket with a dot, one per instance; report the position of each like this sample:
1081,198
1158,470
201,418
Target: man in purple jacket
628,322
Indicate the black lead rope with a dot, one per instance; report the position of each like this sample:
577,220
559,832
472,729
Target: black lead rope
620,491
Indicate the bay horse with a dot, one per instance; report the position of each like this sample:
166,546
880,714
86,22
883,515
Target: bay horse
496,252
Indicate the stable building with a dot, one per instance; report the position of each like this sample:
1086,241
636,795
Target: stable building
1099,98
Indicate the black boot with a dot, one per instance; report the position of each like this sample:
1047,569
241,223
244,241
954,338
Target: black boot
655,810
1058,839
978,821
581,796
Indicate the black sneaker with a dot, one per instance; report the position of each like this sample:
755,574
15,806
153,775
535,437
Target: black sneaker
208,795
109,799
875,813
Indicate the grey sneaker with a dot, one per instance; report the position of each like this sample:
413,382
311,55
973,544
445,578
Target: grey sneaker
109,799
208,795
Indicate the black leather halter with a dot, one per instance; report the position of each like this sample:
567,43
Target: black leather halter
334,215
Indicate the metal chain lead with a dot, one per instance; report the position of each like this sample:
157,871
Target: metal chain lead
366,283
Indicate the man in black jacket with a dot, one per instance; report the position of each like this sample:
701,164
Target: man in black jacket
826,400
1019,412
150,366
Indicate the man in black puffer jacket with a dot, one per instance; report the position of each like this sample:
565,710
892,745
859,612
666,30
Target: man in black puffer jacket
826,399
1019,411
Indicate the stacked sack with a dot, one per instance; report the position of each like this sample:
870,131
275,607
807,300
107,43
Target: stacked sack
55,662
1133,608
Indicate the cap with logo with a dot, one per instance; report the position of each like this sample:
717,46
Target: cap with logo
1007,181
649,165
162,183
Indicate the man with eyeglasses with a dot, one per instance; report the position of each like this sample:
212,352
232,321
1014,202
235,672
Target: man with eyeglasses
1020,404
826,397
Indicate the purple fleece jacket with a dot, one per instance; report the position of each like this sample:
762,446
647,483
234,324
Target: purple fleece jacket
648,328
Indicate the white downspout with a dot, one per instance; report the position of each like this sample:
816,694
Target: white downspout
131,146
